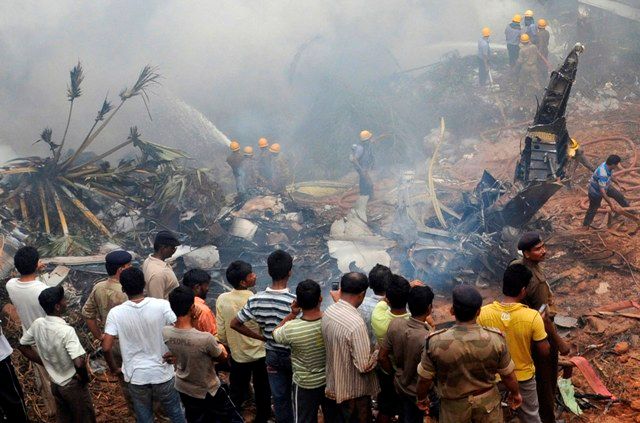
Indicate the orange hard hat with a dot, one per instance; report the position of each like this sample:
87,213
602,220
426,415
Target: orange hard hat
486,32
275,148
517,18
234,145
524,38
528,14
248,151
542,23
365,135
263,143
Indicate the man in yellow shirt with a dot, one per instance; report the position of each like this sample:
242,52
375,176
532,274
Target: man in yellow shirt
523,327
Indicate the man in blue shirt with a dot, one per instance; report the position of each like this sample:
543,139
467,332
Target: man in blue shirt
600,188
512,37
484,52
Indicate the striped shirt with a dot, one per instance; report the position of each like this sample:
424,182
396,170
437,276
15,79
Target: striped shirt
267,308
308,357
349,358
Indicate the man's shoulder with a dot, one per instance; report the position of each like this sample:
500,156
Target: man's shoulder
397,324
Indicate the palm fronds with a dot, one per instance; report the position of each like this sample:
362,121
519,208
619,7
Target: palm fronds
106,108
76,75
147,77
46,137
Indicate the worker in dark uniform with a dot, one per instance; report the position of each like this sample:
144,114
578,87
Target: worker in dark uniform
362,159
265,164
543,48
530,28
484,53
539,297
281,171
234,160
512,36
249,170
463,362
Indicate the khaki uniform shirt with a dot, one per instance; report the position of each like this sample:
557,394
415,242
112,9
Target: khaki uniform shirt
405,341
538,290
104,296
159,278
465,359
528,56
543,42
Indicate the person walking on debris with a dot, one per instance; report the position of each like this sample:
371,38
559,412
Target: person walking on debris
539,297
234,160
158,274
23,293
600,187
484,53
247,354
351,381
195,353
248,167
59,350
527,69
137,324
202,318
523,329
402,349
265,164
512,35
268,308
463,362
362,159
530,27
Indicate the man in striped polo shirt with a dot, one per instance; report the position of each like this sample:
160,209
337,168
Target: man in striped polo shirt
308,357
268,308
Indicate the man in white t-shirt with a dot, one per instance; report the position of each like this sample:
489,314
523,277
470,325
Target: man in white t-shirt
138,324
23,293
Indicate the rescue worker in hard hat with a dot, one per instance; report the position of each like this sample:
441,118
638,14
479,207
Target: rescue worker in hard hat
484,53
249,169
281,175
543,48
265,164
234,160
512,35
530,28
527,69
577,156
362,159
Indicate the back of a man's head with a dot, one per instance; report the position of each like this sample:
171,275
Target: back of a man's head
354,283
49,297
466,303
237,272
26,260
181,299
379,278
195,277
516,276
420,300
613,160
398,292
279,264
308,294
132,281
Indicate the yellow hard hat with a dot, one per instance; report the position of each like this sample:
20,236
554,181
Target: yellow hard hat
275,148
528,14
486,32
248,151
263,143
542,23
517,18
573,147
365,135
234,145
524,38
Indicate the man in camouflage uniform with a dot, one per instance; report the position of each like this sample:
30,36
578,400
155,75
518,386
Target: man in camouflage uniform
463,362
527,68
539,294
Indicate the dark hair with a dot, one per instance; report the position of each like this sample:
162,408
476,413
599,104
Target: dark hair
613,159
26,260
112,268
379,278
308,294
237,272
279,264
420,299
132,281
354,283
516,276
466,302
195,277
49,297
181,299
398,292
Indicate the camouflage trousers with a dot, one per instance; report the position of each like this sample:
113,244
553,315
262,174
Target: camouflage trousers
483,408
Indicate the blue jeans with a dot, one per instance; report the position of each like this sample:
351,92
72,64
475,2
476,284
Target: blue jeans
280,378
165,393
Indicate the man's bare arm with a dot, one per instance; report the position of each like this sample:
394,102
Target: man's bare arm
238,326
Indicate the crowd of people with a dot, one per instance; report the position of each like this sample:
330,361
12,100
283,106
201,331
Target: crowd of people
375,341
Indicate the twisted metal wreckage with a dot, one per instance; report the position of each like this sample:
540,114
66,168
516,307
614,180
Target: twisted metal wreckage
496,210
